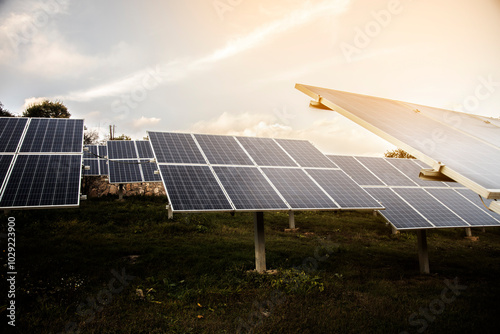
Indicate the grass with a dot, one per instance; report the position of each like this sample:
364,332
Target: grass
340,273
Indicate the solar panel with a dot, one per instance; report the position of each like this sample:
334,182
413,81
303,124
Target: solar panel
399,213
305,153
94,167
11,130
148,171
464,208
385,171
43,181
175,148
144,149
5,161
265,152
103,151
223,150
433,210
103,167
356,170
343,189
121,149
124,171
248,189
53,135
91,153
193,188
298,189
469,158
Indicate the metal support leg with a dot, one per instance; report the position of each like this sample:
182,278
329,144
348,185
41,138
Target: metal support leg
260,245
468,232
291,219
423,254
394,230
120,192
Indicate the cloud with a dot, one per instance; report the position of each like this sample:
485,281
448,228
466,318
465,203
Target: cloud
144,122
33,100
179,69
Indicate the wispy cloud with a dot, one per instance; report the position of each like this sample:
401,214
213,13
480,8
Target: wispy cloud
179,69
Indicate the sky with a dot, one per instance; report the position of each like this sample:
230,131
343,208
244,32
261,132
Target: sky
230,66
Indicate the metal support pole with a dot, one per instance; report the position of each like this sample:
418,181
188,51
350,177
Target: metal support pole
120,192
291,219
375,213
423,254
260,245
468,232
394,230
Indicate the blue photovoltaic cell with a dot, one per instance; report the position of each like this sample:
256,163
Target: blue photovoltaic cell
124,171
298,189
409,168
11,130
265,152
55,135
5,161
175,148
248,189
94,167
434,211
386,172
305,153
354,169
223,150
91,153
343,189
103,151
461,206
397,211
193,188
121,149
43,180
148,169
103,167
144,149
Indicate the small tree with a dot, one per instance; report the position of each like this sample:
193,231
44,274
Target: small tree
398,153
90,136
47,109
4,112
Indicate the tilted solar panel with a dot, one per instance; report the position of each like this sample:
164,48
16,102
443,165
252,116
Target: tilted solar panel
175,148
121,149
43,181
91,153
94,167
298,189
54,135
5,161
343,189
266,152
411,169
11,130
356,170
124,171
193,188
305,153
144,149
386,172
223,150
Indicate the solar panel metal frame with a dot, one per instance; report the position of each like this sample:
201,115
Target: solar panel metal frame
19,153
327,98
286,207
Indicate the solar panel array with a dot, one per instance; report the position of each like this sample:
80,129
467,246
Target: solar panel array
96,159
467,145
129,162
227,173
413,203
40,162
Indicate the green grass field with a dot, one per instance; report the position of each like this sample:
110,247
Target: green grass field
123,267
